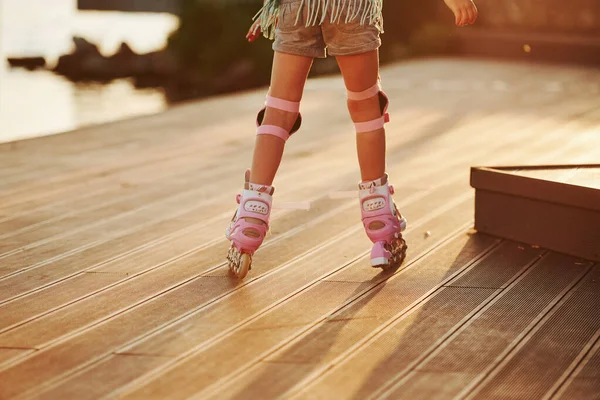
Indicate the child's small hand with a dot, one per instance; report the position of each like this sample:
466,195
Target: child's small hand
464,11
254,31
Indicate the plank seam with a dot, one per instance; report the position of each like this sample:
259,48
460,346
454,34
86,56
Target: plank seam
375,334
422,256
572,372
521,340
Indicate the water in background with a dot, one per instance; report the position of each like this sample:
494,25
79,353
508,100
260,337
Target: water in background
40,103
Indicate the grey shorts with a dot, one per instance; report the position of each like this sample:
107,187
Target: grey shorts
333,38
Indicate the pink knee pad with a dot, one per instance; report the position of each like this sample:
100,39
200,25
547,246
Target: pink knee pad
384,102
279,104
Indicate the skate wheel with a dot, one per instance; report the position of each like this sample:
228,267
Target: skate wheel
398,252
244,266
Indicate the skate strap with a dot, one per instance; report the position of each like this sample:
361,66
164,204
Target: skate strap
280,104
372,184
365,94
261,188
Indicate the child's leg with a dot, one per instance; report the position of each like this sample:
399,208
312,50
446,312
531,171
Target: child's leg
367,105
287,83
361,72
250,223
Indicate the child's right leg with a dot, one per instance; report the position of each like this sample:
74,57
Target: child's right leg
368,105
277,121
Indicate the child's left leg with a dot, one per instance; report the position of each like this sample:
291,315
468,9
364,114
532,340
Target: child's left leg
277,122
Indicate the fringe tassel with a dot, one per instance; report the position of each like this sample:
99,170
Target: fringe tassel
368,12
267,16
299,12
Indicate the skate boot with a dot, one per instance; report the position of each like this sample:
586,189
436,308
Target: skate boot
383,223
249,226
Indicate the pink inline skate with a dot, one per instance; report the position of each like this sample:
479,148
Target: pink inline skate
383,223
249,226
250,222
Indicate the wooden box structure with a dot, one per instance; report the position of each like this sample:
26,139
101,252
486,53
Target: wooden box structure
555,207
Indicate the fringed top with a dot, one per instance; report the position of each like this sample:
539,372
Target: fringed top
367,11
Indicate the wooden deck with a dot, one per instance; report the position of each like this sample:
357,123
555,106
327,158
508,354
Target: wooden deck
112,274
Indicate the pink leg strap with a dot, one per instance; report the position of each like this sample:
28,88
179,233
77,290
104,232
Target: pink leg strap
273,130
376,124
365,94
280,104
369,126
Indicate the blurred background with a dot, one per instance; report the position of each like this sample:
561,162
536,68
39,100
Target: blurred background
71,63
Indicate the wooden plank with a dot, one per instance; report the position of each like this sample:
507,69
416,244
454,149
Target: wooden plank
162,343
502,322
249,342
408,117
592,283
585,382
558,227
103,252
218,138
195,354
207,174
588,177
384,356
188,244
115,206
138,236
99,341
157,312
152,180
576,175
416,166
203,190
337,332
132,219
582,388
107,140
390,355
181,270
125,161
117,268
499,181
18,312
347,219
9,353
188,118
307,171
107,170
433,385
108,186
119,373
541,359
113,250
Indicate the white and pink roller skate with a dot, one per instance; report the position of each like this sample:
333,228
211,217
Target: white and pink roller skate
383,223
249,226
250,222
